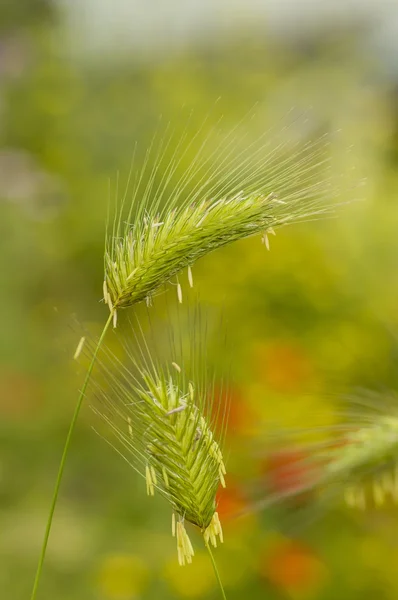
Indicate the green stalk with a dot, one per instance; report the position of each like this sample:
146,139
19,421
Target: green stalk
63,460
216,572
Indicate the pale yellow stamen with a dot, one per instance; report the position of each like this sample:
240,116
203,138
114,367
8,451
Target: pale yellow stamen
184,547
219,528
105,289
265,240
190,278
179,293
79,348
176,366
173,525
213,530
355,497
153,475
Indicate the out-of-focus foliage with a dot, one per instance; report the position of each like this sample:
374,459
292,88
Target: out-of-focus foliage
315,315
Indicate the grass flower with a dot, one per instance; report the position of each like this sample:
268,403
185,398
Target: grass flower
223,196
365,458
153,251
355,459
158,415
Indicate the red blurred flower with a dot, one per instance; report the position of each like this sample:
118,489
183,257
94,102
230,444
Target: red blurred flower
230,501
292,567
230,407
290,472
284,366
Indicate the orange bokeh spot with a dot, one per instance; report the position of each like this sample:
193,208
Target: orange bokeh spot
20,394
288,472
230,407
230,502
293,567
284,367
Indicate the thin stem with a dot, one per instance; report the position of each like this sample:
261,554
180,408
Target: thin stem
215,569
63,460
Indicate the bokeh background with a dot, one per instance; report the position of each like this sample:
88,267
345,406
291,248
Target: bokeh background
80,83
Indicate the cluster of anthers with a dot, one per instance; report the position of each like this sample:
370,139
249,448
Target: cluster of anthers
372,448
185,549
383,487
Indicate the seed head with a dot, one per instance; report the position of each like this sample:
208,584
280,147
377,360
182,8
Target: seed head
226,194
356,459
161,421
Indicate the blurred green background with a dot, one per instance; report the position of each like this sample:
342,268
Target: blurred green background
80,83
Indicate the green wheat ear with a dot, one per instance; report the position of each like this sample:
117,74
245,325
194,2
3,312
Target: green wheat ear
175,218
159,246
161,423
365,461
355,459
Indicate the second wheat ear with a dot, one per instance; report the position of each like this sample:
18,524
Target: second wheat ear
355,458
160,422
167,229
159,408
